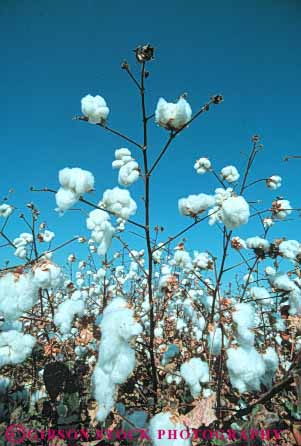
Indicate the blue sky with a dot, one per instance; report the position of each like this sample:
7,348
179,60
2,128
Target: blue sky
53,53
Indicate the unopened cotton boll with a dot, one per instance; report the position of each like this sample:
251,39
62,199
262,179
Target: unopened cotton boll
119,202
195,204
289,249
230,174
5,210
95,109
15,347
274,182
235,212
202,166
173,116
195,372
163,422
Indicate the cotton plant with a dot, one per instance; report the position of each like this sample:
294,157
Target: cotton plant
95,109
129,171
74,182
102,231
202,165
173,116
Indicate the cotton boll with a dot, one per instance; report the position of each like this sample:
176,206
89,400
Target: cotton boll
172,116
15,347
238,243
295,301
21,252
194,372
280,281
163,421
274,182
128,174
66,312
6,210
261,295
119,202
18,293
95,109
235,212
182,259
195,204
104,392
102,230
202,260
281,209
76,179
244,318
202,166
48,236
289,249
268,222
271,362
230,174
258,243
65,199
220,195
48,275
246,368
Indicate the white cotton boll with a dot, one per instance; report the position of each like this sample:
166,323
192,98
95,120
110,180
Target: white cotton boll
128,174
162,422
119,202
66,312
104,392
21,252
182,259
271,362
48,275
15,347
102,231
281,281
270,271
95,109
202,260
123,365
281,209
238,243
6,210
18,293
215,341
195,204
261,295
230,174
220,195
181,324
246,368
235,212
172,116
48,236
258,243
244,315
202,166
195,372
268,222
122,153
274,182
65,199
289,249
295,301
76,179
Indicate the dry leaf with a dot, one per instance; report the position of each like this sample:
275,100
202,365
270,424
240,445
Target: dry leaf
202,414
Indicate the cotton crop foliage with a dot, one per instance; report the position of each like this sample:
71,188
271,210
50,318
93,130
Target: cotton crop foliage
95,109
173,116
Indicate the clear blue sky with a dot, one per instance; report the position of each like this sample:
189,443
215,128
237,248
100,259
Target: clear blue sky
53,53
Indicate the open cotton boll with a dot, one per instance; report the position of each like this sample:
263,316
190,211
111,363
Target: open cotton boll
246,368
235,212
274,182
295,301
15,347
48,275
281,281
119,202
18,293
202,166
5,210
195,204
202,260
182,259
48,236
76,179
220,195
261,295
230,174
258,243
129,173
67,310
244,317
95,109
195,372
268,222
289,249
163,422
104,392
102,231
281,209
65,199
172,116
271,362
